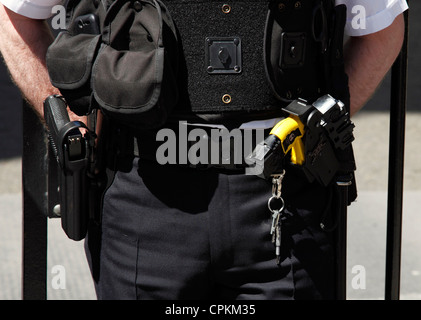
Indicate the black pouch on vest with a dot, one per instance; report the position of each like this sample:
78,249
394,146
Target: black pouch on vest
70,57
296,40
128,70
133,78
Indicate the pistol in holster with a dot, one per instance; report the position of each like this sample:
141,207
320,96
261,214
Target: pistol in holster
74,152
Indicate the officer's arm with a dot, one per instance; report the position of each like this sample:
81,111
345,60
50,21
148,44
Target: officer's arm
368,59
23,45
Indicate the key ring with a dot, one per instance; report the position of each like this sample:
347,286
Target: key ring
277,184
269,204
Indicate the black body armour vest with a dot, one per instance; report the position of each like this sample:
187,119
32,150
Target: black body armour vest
146,61
252,57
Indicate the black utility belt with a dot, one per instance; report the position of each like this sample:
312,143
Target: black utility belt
199,147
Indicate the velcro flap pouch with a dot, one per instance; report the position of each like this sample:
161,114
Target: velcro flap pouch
70,57
294,36
131,71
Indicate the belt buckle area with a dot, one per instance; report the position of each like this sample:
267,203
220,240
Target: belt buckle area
226,161
223,162
220,167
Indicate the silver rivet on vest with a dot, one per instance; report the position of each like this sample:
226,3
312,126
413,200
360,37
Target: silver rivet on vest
297,5
226,98
57,210
281,6
226,8
137,5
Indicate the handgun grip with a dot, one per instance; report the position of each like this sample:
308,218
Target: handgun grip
55,114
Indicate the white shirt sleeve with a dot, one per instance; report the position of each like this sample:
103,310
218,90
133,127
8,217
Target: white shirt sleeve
36,9
369,16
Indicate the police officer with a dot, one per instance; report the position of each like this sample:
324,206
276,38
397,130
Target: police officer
181,232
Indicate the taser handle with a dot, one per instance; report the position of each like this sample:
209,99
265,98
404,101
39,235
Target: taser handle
290,132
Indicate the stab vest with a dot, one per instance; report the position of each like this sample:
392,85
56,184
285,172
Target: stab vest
254,55
142,61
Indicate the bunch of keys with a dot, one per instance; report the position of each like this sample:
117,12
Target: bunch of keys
275,229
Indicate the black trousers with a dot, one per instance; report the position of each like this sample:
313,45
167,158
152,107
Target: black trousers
170,232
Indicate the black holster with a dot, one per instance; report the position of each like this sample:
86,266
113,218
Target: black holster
76,180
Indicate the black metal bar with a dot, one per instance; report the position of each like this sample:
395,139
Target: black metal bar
34,219
40,197
396,169
342,186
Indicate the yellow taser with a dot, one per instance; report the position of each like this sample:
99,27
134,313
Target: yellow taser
290,132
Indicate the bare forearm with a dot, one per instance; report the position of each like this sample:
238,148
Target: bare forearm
368,59
23,45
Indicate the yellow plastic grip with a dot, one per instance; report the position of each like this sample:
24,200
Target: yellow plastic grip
290,132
